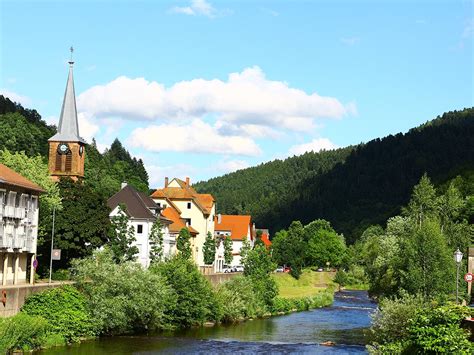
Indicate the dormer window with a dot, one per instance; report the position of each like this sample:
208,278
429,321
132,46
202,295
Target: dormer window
189,205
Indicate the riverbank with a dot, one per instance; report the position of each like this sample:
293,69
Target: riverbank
310,283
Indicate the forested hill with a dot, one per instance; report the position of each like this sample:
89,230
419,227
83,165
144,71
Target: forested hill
23,129
353,187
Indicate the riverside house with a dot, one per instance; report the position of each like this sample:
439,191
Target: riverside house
142,212
238,228
196,210
18,227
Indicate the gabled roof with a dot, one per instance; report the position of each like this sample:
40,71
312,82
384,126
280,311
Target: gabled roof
138,204
11,177
177,222
186,192
68,128
266,239
238,226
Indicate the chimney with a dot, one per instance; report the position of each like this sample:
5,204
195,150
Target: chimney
166,181
187,181
219,218
124,184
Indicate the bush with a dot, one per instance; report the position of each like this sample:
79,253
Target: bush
195,299
285,305
21,332
238,300
438,330
66,311
61,275
124,297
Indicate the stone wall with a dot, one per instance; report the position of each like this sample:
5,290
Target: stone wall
217,279
13,297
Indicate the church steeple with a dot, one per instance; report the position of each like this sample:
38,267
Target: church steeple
66,147
68,128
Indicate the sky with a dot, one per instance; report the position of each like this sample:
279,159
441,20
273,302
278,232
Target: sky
201,88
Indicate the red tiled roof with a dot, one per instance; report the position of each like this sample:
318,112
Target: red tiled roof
266,240
237,225
178,223
10,177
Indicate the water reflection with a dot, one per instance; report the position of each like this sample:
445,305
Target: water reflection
302,333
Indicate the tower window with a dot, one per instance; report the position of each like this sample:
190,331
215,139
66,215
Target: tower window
189,205
58,162
68,161
140,228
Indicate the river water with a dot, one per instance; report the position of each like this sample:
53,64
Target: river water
301,333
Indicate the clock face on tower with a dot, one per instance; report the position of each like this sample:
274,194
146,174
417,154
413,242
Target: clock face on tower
63,148
81,150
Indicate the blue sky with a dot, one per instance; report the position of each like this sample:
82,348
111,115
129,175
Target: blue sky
200,88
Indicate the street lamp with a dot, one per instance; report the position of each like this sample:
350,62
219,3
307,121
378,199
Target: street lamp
457,259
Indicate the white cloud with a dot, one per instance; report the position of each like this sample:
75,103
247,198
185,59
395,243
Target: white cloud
350,41
246,98
87,128
197,7
315,145
197,137
13,96
270,12
230,166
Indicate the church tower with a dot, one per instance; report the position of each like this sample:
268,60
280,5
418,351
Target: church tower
67,148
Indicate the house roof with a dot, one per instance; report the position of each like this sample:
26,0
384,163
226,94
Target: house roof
237,225
138,204
68,128
186,192
11,177
266,239
177,222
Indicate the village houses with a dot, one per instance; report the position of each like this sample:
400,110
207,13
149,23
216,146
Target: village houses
142,212
196,210
19,199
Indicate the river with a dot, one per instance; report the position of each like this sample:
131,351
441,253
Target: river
301,333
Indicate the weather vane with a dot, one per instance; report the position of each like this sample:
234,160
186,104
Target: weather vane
72,50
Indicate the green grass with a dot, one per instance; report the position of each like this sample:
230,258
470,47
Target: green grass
359,287
309,283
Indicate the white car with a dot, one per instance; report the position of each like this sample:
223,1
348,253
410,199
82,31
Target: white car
227,269
239,268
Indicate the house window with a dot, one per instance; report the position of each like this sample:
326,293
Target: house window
189,205
188,221
139,228
158,204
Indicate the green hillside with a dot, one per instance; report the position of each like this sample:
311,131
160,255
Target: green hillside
352,187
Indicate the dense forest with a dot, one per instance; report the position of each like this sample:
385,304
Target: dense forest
353,187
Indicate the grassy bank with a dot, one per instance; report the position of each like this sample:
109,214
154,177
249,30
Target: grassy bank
309,284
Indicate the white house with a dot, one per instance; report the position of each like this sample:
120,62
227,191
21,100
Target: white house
142,212
197,210
18,227
238,228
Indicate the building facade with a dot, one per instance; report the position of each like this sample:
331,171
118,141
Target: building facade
142,212
19,201
197,210
66,148
238,228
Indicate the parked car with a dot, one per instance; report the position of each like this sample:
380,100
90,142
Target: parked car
287,269
280,269
227,269
320,269
239,268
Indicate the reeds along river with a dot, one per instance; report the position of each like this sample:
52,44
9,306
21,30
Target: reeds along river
342,323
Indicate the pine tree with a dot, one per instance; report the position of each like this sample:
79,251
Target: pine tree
209,249
156,241
122,236
183,244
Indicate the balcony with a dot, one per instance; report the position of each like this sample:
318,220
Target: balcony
6,241
9,211
19,241
20,212
30,243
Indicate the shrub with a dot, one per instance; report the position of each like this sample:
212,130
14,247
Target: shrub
195,299
238,300
123,297
21,332
61,275
66,311
438,330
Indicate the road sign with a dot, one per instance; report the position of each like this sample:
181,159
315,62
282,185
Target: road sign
56,254
35,263
468,277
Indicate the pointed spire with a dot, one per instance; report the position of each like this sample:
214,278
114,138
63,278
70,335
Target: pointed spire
68,128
